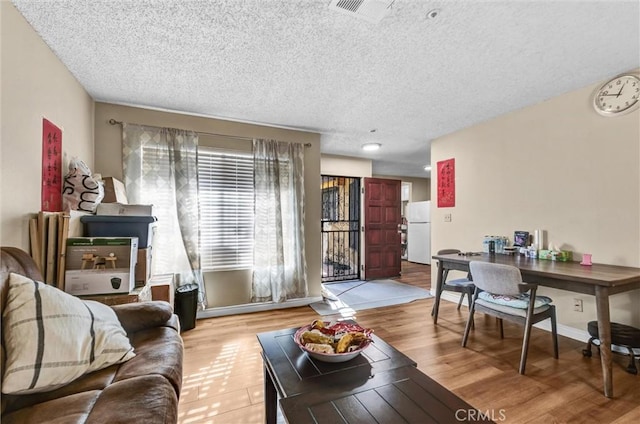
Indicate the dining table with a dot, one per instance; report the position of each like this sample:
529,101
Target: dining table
599,280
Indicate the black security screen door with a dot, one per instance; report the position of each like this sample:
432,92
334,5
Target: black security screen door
340,228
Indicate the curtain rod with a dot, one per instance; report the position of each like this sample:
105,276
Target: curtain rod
114,122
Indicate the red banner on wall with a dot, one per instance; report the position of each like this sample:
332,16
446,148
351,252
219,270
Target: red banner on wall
51,167
447,183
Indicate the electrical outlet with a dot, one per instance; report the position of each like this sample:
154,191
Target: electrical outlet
447,217
577,305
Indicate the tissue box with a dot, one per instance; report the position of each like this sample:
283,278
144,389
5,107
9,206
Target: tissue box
556,255
114,191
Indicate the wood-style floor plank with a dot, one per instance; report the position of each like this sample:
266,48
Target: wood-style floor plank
223,380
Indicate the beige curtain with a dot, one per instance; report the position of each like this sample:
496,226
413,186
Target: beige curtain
280,268
160,169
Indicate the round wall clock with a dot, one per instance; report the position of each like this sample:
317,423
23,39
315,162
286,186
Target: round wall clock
618,96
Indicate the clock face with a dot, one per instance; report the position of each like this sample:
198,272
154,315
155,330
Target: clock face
619,95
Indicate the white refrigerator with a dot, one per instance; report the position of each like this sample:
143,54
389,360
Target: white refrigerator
418,216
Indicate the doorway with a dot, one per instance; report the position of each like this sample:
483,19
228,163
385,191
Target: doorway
340,228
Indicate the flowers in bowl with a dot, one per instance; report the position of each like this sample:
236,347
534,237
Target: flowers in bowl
333,341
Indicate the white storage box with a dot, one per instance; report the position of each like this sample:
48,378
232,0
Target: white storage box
127,210
100,265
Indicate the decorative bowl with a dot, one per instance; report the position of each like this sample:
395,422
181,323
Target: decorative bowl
333,357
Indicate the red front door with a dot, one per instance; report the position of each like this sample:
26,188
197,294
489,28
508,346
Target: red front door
382,217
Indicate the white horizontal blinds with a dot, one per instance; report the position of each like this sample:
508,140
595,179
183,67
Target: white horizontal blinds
226,209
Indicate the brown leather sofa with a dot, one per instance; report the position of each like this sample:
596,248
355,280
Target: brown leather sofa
144,389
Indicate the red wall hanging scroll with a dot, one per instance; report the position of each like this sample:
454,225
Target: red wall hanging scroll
446,183
51,167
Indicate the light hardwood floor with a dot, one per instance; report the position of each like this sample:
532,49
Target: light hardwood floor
223,380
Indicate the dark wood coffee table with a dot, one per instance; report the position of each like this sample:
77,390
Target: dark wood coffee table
401,395
289,371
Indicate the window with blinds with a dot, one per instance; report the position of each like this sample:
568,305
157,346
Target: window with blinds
226,209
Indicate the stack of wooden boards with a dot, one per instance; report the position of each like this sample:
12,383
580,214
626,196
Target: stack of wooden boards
48,233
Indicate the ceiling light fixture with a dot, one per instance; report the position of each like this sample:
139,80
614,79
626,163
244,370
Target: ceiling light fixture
433,13
427,167
369,147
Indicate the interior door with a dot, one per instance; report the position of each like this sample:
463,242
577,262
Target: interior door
382,219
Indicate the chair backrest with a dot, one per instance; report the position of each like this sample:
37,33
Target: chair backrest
496,278
451,252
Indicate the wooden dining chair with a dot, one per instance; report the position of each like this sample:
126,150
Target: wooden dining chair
500,292
464,286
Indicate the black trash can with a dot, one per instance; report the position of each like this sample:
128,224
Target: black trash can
186,305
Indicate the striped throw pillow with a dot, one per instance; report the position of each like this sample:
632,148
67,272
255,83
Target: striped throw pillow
52,338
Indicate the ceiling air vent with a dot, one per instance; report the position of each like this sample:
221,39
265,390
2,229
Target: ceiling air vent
369,10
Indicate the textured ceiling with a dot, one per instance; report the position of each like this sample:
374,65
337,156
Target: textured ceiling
298,64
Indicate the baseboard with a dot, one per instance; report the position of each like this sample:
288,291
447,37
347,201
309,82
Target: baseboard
563,330
255,307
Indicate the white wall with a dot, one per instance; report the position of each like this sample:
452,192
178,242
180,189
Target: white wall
35,85
345,166
556,166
